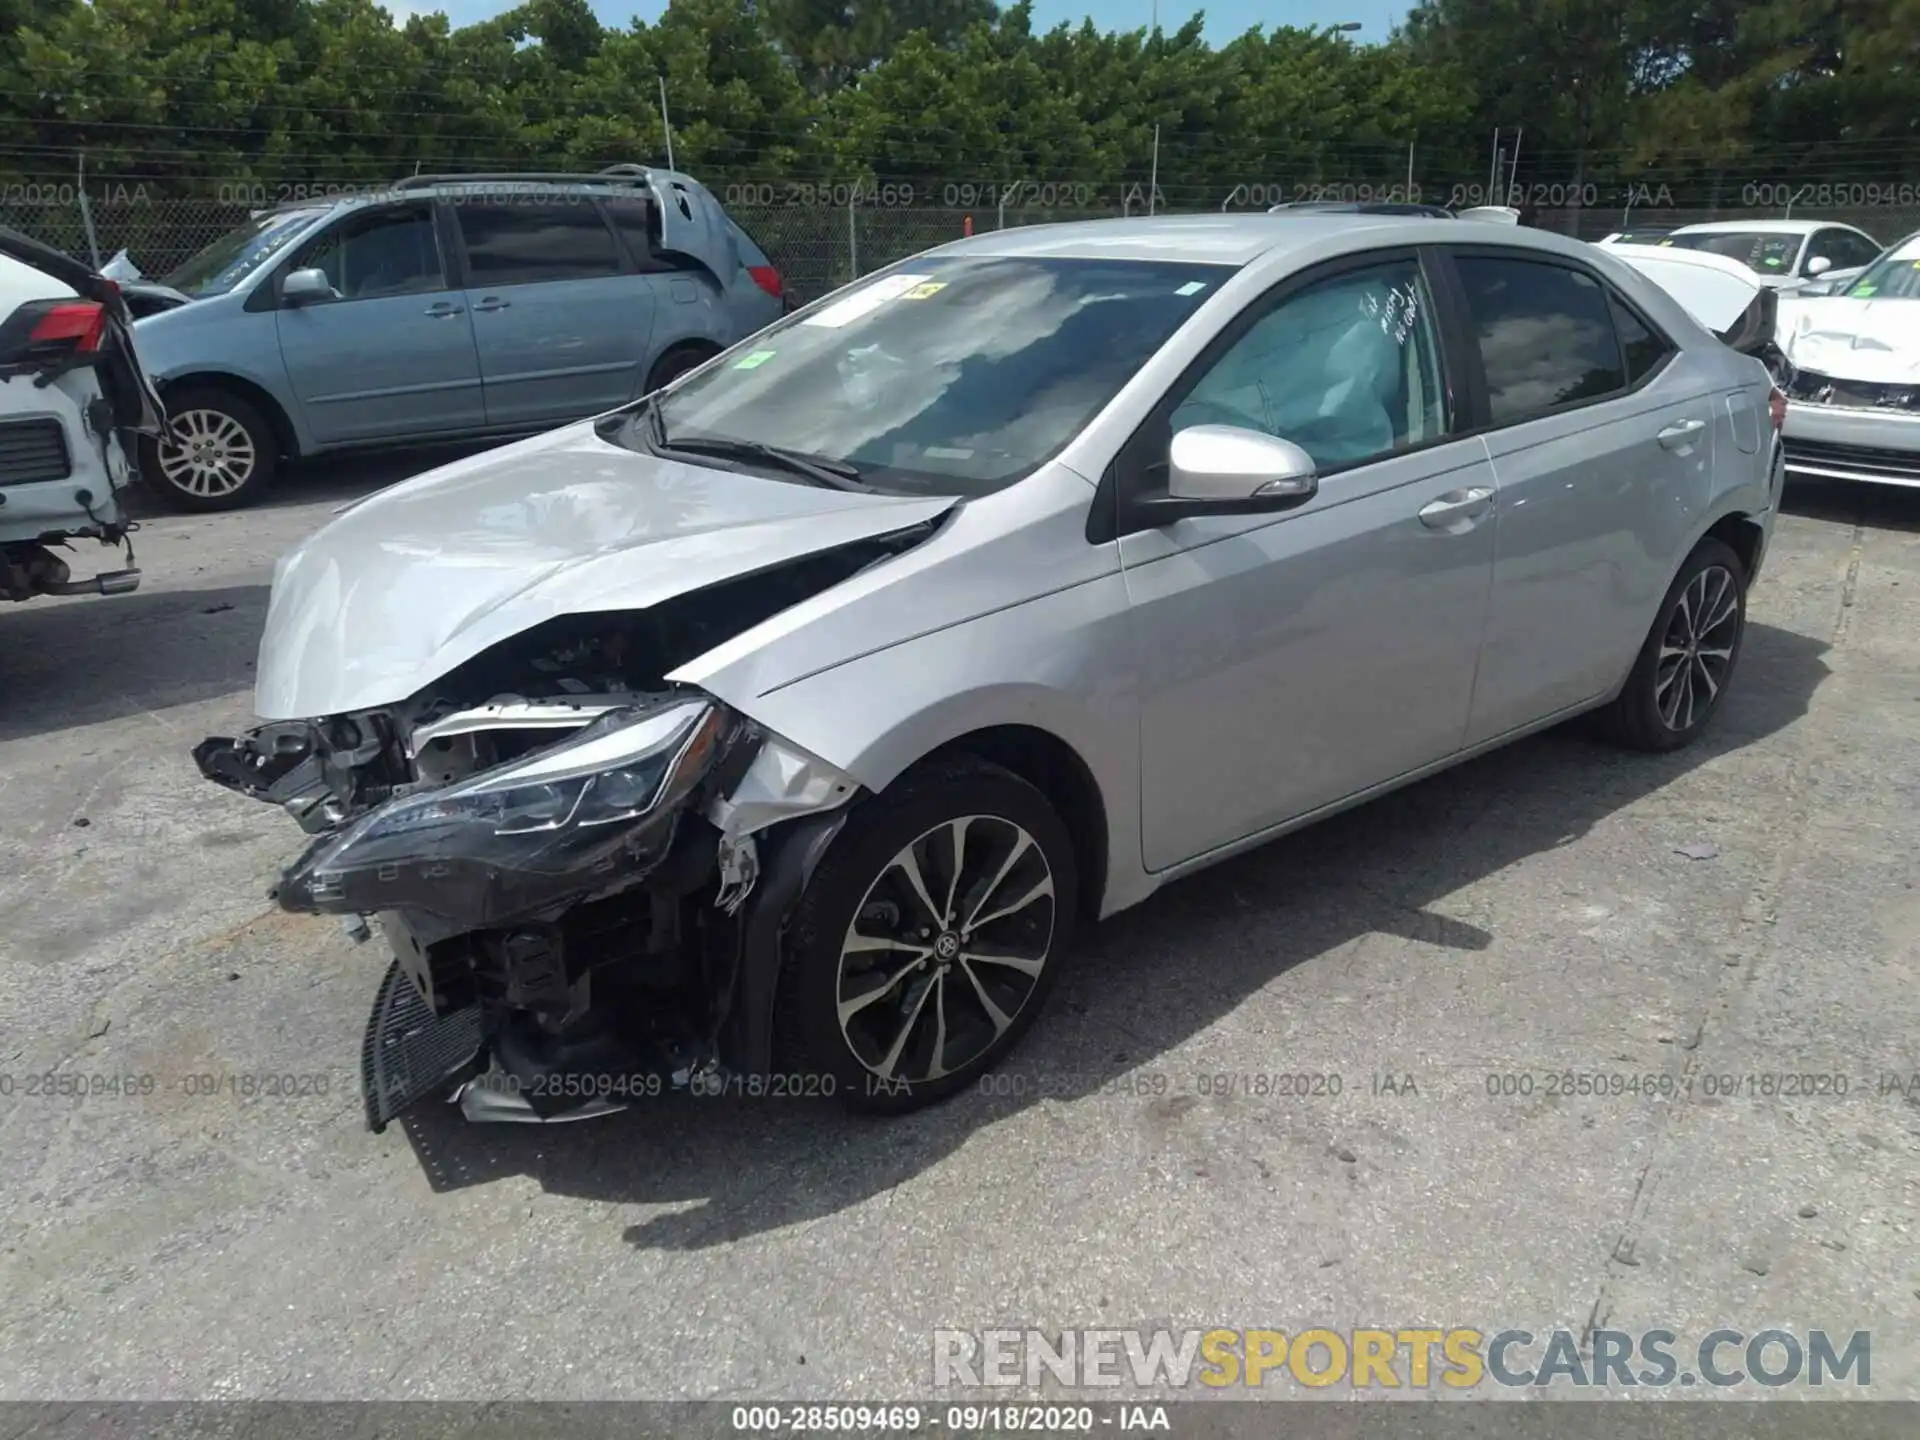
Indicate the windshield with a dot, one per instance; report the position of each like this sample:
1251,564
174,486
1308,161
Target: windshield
1764,252
950,376
238,253
1894,276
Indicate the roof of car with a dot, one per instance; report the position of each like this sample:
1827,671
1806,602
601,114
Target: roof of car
627,179
1756,227
1236,239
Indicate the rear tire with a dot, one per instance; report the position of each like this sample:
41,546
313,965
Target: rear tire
1688,660
676,362
896,1005
221,453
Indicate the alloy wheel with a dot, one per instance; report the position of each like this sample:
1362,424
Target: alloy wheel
208,454
1696,651
946,948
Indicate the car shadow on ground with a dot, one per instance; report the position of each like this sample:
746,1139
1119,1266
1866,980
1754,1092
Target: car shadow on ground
1135,988
89,660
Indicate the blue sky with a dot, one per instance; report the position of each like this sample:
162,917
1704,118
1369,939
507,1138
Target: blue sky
1225,18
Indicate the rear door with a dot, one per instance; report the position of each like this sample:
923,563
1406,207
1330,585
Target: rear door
562,322
391,354
1601,434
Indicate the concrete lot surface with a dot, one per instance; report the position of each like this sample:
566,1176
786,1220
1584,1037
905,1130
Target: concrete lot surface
1530,914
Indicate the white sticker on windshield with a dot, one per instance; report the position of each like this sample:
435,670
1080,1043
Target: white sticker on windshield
870,299
1192,287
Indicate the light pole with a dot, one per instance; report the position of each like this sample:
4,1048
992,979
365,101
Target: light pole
1345,27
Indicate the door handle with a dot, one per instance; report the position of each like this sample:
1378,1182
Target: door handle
443,310
490,304
1457,509
1681,433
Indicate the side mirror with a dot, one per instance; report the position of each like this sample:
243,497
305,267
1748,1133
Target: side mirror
1226,468
1819,265
304,285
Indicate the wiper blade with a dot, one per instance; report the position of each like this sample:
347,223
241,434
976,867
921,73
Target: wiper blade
834,474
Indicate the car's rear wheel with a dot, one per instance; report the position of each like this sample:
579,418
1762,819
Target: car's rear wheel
675,363
1684,668
928,938
219,454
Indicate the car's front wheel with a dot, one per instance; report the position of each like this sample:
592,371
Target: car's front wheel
1687,662
928,938
219,452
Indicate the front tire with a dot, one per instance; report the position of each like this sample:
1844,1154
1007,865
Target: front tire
1688,660
928,939
220,452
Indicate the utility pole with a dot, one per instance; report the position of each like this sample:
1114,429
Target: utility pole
666,124
1153,176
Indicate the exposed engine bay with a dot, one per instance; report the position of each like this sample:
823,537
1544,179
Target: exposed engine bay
566,853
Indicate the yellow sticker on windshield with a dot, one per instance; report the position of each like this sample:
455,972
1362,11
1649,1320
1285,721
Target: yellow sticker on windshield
754,361
923,292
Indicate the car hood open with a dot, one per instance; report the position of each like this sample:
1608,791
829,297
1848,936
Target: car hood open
403,586
1876,341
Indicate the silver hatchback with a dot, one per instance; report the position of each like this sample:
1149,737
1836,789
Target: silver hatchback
775,731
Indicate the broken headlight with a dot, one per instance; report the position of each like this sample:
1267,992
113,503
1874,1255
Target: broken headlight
562,821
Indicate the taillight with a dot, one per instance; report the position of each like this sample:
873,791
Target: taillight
768,279
76,324
1777,408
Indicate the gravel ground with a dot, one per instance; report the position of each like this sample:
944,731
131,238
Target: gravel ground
1528,914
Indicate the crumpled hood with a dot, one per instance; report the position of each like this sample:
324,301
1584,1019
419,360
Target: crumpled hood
1877,341
405,585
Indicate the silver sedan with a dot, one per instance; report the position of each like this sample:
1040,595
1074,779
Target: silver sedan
772,734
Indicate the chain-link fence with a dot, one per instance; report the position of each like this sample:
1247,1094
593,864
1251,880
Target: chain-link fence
816,247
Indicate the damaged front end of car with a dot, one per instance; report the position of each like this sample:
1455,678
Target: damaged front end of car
583,884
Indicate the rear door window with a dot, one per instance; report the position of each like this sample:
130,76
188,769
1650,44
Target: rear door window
509,244
1546,335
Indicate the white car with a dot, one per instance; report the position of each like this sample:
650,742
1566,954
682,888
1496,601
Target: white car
72,398
1853,380
1785,254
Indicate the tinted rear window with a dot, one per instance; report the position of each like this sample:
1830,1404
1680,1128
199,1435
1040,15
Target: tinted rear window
517,244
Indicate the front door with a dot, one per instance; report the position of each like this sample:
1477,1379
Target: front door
390,354
561,321
1289,661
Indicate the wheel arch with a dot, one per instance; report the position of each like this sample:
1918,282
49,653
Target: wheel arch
701,347
1742,533
286,438
1057,771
